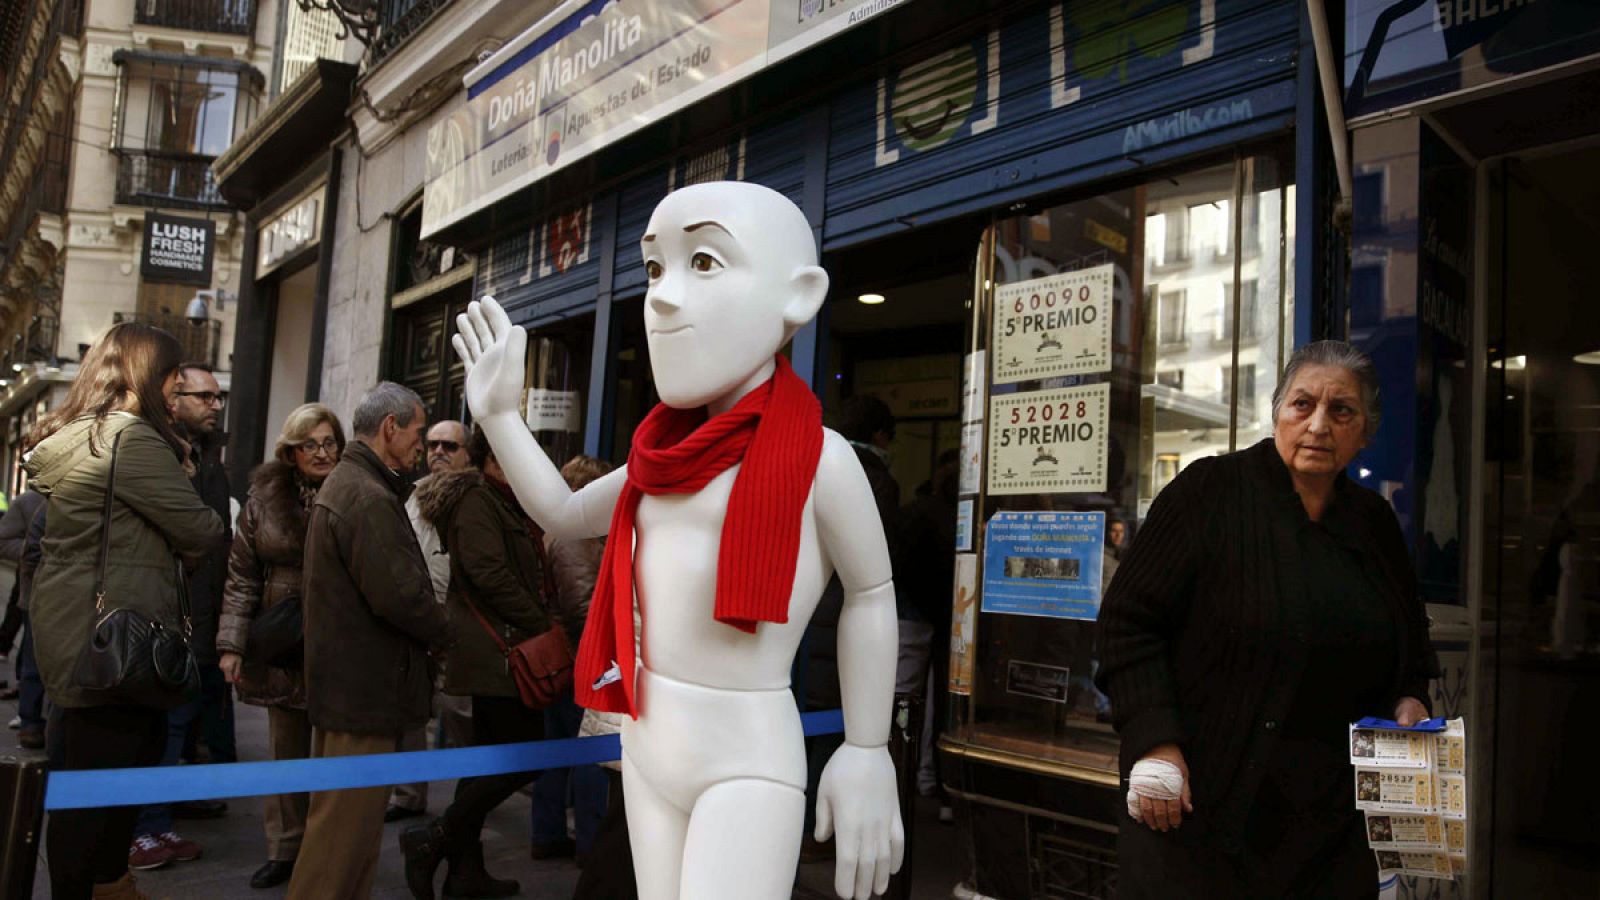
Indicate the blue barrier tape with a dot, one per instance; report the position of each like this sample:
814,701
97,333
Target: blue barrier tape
167,784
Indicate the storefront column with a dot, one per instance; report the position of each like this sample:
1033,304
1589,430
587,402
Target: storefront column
598,414
319,316
252,350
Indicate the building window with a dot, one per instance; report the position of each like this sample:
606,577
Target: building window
1169,323
1172,378
308,35
1246,388
1167,235
1167,465
1209,224
1246,308
176,114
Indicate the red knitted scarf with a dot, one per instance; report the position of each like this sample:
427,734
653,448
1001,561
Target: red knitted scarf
776,432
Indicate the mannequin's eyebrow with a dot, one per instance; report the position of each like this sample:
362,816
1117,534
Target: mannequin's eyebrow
707,224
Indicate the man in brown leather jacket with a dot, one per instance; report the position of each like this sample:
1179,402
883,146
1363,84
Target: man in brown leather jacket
372,625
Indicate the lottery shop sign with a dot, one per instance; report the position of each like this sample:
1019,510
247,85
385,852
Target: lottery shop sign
1046,442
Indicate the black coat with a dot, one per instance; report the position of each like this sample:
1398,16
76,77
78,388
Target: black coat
370,615
207,579
1197,631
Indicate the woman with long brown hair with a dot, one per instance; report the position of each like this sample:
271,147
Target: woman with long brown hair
118,414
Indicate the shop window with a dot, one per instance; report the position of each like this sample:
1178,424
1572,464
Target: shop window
1366,295
1367,206
176,114
1170,326
1170,398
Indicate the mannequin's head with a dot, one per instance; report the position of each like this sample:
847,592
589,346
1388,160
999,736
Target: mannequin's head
733,274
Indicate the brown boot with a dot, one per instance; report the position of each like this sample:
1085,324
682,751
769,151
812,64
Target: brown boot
121,889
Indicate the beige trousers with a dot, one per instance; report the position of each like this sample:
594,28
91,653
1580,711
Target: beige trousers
344,830
284,815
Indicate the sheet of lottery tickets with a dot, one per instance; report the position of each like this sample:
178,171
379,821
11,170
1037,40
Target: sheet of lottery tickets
1412,788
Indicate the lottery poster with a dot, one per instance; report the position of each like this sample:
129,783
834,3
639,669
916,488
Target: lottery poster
1394,790
1392,831
963,624
1424,864
1047,442
1044,564
1055,325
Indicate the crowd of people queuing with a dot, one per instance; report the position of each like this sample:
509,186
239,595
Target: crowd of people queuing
360,594
369,584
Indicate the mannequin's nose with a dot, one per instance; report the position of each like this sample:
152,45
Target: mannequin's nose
664,299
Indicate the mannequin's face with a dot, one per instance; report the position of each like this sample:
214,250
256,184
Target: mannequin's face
732,273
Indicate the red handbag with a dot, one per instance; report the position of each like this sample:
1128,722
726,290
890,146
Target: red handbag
541,666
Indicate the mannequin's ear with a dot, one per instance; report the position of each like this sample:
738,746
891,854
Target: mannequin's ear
808,288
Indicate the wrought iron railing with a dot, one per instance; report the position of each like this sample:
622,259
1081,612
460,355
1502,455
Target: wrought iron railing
201,340
213,16
152,178
398,20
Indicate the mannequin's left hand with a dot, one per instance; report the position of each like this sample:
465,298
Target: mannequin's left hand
1409,711
857,800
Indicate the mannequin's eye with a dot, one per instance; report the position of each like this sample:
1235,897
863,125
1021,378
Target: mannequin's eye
652,269
704,262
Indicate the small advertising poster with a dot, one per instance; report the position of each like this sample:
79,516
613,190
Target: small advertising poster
1388,831
1453,796
1048,442
1026,679
964,526
972,387
971,457
1376,747
1394,790
963,624
1044,564
1424,864
554,410
1056,325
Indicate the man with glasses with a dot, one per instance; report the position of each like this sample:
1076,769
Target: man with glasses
198,412
446,451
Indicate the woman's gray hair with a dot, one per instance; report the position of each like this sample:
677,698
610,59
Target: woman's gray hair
1340,355
385,400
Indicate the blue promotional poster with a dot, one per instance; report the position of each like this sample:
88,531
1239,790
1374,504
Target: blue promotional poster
1044,564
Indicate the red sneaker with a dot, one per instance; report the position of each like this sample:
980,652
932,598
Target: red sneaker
148,853
183,850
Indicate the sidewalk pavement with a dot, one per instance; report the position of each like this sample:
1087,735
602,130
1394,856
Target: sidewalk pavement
235,848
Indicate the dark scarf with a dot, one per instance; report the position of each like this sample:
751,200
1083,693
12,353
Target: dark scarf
775,431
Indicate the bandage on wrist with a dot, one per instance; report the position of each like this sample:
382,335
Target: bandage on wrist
1156,779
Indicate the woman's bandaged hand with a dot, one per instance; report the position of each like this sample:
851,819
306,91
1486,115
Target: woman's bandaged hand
1153,778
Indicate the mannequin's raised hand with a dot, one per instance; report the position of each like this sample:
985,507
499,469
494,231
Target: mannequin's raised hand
494,352
856,802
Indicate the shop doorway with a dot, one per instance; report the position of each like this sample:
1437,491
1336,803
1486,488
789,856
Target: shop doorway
1542,519
295,300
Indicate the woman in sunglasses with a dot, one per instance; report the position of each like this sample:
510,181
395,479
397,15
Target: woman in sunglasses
264,571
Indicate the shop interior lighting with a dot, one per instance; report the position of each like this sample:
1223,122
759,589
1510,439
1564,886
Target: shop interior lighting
1512,364
1592,358
870,299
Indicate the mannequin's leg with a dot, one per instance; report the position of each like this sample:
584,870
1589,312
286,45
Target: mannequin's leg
743,841
656,829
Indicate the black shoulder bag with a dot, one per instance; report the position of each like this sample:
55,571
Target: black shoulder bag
131,659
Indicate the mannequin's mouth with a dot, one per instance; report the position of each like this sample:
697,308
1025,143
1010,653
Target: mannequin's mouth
662,332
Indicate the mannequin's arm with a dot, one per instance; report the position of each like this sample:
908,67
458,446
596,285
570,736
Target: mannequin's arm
494,353
857,797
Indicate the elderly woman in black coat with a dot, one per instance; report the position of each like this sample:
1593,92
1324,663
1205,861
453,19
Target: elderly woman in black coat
1267,602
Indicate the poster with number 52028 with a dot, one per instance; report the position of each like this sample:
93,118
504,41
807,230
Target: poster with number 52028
1049,442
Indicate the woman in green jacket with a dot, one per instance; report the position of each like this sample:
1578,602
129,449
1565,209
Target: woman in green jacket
126,387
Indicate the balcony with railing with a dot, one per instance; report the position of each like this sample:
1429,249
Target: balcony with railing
210,16
397,21
158,178
201,339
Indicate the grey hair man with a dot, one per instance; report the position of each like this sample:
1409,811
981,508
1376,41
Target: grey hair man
446,449
372,629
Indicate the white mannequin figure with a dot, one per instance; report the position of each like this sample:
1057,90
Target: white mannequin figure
714,767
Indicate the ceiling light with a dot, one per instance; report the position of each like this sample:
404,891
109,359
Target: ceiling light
1592,358
870,299
1512,364
1365,472
16,367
